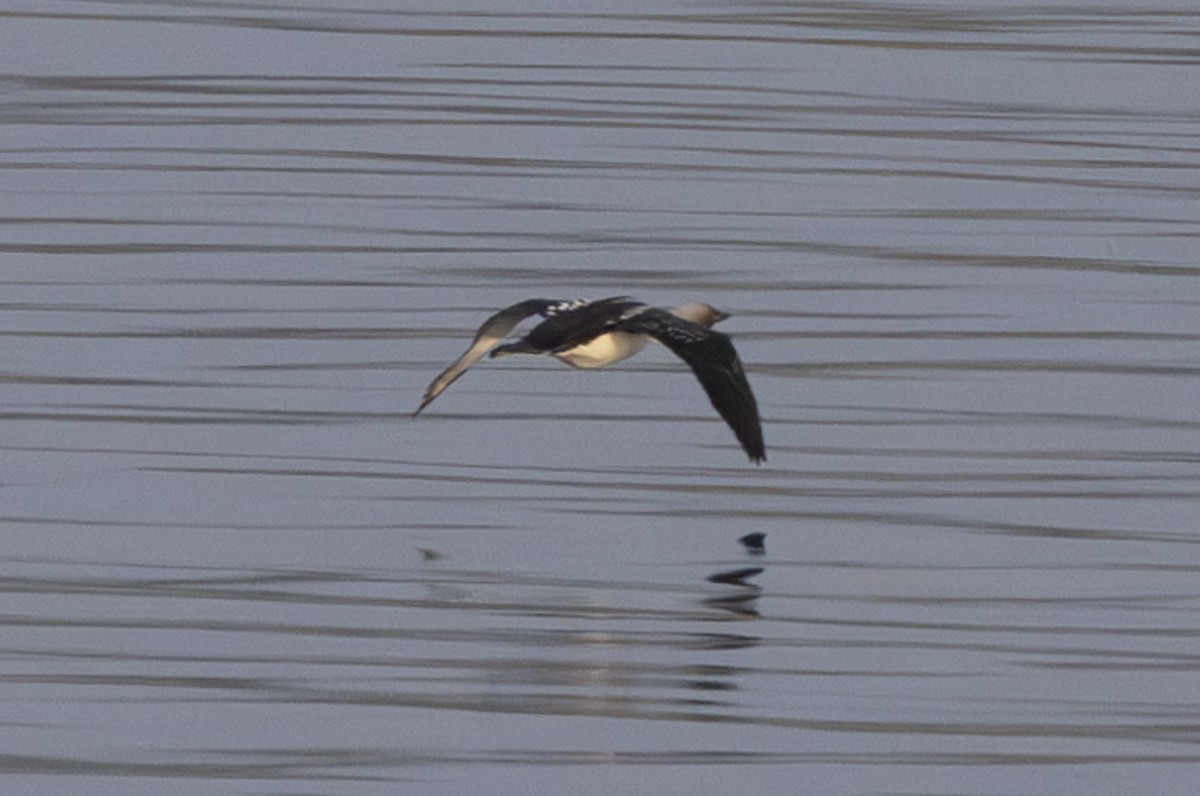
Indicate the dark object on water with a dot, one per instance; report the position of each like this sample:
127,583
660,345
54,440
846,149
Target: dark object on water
754,543
736,577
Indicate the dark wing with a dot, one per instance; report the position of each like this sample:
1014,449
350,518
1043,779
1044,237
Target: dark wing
572,326
494,329
712,357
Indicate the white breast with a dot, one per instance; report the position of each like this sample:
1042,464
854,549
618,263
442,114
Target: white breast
603,350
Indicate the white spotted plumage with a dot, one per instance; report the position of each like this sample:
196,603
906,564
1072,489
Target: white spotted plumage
565,306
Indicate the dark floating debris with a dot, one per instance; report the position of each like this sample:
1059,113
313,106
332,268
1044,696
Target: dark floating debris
736,577
754,543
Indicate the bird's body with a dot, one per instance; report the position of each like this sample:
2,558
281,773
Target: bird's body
603,350
596,334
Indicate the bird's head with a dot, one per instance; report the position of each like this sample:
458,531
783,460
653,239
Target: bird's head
704,314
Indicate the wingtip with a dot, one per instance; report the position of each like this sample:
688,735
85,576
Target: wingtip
752,443
754,447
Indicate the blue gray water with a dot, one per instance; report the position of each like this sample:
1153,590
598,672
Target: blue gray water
958,243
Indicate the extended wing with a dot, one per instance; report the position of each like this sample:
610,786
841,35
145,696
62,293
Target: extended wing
568,326
493,330
713,359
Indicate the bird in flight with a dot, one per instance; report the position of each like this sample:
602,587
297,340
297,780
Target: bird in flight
594,334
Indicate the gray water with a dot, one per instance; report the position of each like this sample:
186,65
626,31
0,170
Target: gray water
958,243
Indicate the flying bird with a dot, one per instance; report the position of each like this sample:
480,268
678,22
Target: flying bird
594,334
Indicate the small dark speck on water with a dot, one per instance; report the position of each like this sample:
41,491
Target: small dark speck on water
754,543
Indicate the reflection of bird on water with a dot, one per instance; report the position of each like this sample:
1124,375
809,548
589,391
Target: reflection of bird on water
593,334
736,577
745,601
755,543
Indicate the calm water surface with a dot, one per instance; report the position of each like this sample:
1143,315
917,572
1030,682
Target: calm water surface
958,243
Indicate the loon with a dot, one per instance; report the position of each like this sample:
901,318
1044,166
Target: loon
594,334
